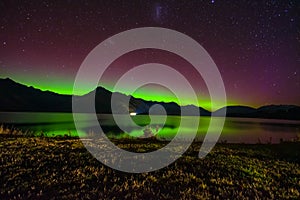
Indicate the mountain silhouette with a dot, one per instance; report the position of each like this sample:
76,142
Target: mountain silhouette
15,97
237,111
291,112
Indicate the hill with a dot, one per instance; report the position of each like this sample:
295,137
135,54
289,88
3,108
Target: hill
15,97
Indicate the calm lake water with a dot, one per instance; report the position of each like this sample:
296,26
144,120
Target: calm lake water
236,130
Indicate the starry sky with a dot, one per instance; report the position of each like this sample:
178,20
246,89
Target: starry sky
255,44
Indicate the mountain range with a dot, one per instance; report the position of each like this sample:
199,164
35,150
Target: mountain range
16,97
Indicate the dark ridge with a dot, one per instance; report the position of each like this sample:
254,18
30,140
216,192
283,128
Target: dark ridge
15,97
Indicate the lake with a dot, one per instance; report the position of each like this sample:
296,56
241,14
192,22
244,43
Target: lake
236,130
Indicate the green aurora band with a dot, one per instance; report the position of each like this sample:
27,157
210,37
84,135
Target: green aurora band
64,86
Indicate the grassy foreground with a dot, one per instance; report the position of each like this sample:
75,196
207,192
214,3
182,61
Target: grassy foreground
61,168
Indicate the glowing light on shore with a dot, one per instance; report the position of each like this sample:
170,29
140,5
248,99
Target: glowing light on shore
132,114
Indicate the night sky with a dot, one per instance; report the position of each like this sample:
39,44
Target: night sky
255,44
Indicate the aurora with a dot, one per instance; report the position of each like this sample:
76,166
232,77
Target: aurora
257,55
